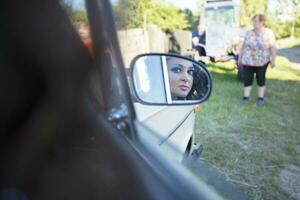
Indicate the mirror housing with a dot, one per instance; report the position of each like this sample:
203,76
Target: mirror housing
168,79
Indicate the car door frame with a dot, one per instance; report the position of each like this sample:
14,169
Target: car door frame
104,34
175,178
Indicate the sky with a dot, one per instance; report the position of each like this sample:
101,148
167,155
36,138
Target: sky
190,4
194,5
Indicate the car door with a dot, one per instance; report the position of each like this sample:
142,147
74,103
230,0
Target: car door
174,125
118,107
109,91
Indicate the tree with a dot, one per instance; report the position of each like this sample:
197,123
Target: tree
249,8
167,17
77,16
130,13
296,10
287,13
297,27
135,13
192,19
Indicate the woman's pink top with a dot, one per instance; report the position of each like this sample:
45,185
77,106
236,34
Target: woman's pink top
256,50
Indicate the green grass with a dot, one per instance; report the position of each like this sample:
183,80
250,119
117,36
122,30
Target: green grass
251,144
288,42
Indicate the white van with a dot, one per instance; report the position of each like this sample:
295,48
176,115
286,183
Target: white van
220,20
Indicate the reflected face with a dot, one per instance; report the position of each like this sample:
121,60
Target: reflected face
180,76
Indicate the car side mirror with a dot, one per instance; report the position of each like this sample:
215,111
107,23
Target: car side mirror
166,79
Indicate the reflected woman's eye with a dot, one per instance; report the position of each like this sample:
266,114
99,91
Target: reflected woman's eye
176,69
191,72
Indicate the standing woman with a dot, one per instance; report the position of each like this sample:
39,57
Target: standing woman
258,51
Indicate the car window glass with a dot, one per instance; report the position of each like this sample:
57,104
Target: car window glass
106,88
76,10
78,15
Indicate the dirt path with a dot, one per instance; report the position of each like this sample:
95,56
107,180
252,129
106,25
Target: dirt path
219,181
289,179
293,54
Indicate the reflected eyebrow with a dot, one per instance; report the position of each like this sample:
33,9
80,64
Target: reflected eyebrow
180,65
177,65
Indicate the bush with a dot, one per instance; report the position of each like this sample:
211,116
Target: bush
280,29
297,27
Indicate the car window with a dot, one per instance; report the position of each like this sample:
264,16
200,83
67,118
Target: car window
106,88
77,13
76,10
221,15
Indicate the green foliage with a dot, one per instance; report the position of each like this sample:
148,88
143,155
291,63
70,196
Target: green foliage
192,19
167,18
130,13
284,28
249,8
297,27
280,29
79,17
134,13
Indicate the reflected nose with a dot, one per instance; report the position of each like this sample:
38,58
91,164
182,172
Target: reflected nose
185,77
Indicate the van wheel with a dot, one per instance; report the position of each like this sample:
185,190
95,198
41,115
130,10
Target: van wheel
188,150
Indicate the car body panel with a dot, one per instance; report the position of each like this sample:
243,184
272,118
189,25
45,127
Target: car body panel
174,125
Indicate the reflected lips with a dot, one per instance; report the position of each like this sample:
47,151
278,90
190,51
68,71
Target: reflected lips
184,88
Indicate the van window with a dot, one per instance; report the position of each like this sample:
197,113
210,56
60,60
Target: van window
221,15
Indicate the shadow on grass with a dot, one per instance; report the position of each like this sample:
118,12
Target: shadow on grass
221,67
293,54
223,74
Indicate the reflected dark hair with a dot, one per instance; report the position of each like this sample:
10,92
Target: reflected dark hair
198,86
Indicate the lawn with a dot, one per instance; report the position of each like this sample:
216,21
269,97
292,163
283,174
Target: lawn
288,42
257,147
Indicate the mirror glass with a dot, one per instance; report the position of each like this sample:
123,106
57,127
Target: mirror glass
169,79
